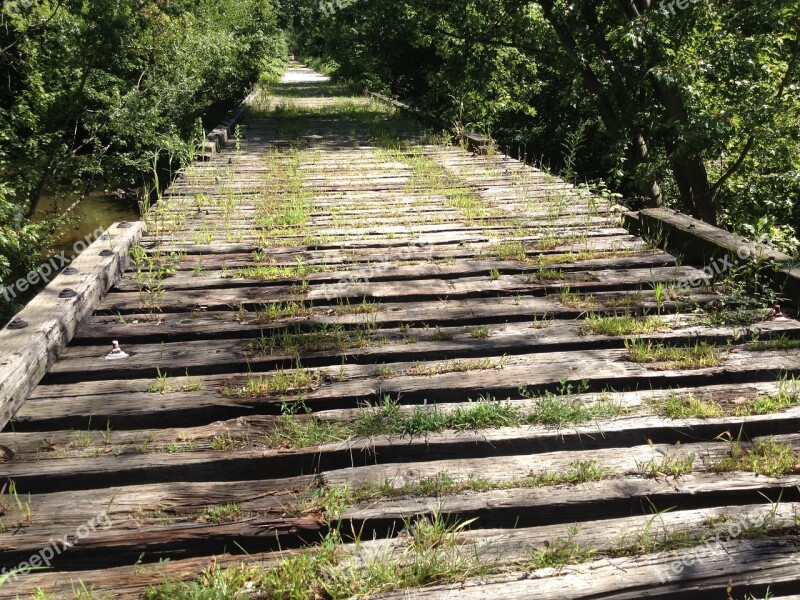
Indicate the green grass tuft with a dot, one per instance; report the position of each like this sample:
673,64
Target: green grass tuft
619,325
667,358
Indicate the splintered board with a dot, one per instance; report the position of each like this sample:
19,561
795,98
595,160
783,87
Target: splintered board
378,364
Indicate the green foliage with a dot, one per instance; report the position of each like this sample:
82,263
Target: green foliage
764,457
22,246
92,89
96,87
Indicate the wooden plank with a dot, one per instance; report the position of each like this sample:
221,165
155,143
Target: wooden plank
220,135
585,502
392,291
467,238
146,512
518,466
386,271
215,324
605,354
124,544
122,583
428,455
606,535
196,407
516,545
752,565
255,432
128,405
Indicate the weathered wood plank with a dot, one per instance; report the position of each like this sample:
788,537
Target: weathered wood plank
211,324
145,511
428,455
387,271
499,468
414,290
585,502
707,243
256,432
129,405
603,353
752,565
629,252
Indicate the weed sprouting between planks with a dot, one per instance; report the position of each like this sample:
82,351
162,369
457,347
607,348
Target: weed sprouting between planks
685,406
621,325
429,552
388,418
661,357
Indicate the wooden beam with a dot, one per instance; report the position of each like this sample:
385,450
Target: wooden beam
219,136
26,354
695,239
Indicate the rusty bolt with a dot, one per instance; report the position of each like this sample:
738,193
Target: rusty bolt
777,314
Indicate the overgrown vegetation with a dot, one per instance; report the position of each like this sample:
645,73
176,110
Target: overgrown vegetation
332,336
764,457
684,406
277,383
619,325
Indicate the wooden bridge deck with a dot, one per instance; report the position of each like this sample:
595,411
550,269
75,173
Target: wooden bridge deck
339,322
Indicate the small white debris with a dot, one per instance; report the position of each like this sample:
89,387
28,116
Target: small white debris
116,352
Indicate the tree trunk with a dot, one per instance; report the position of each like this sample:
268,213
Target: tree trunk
689,170
639,153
